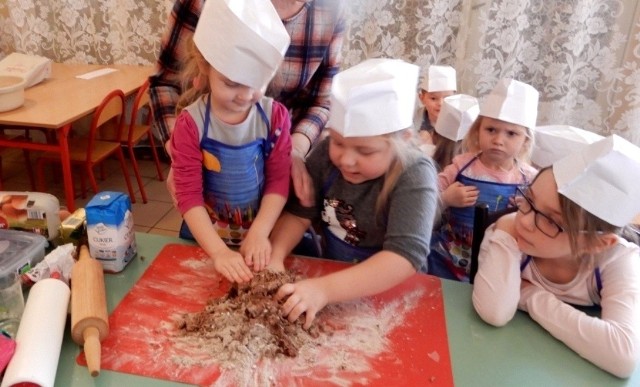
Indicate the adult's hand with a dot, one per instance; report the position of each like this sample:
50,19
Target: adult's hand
302,184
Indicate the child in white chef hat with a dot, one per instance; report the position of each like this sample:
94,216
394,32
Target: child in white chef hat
231,145
438,83
456,116
495,163
554,142
565,247
375,195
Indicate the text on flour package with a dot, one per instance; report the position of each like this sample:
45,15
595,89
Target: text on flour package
110,230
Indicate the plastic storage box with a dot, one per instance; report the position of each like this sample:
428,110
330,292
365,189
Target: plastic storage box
20,251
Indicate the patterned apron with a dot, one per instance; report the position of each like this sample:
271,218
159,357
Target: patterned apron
233,181
450,255
336,248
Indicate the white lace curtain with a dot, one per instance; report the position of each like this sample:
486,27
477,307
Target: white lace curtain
582,55
84,31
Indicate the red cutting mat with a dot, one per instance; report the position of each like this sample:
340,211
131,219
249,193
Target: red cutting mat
400,336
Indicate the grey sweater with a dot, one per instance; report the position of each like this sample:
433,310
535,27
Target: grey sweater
405,226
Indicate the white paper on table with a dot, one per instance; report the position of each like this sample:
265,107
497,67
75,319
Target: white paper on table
96,73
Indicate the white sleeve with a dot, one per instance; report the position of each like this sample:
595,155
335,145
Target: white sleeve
496,289
612,341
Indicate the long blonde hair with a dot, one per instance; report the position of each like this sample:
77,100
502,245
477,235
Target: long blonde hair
471,142
195,82
398,141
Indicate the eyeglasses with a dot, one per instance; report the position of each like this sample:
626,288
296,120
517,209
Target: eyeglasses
544,223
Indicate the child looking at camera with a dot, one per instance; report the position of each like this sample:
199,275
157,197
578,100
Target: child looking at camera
495,163
437,84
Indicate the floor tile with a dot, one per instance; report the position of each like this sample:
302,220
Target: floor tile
171,221
158,216
160,231
149,214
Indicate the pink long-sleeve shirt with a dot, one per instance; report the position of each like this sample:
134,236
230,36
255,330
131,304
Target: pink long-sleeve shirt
187,157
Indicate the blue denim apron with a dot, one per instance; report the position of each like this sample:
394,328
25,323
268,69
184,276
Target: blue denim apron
232,194
450,255
336,248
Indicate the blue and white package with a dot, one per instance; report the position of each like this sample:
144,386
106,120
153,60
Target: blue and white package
110,230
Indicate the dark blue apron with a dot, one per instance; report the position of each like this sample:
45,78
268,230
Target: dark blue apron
450,255
336,248
233,188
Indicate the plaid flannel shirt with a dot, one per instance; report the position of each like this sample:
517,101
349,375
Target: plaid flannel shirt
302,84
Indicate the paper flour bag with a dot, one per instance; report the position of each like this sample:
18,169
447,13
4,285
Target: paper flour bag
110,230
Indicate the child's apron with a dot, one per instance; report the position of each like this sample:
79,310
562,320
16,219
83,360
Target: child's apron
450,255
336,248
233,190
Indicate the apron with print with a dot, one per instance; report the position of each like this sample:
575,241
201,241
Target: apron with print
339,228
451,245
233,180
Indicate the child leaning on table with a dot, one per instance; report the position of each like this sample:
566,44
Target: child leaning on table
495,163
231,145
564,247
375,195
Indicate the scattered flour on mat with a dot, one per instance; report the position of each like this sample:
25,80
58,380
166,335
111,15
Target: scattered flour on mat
350,335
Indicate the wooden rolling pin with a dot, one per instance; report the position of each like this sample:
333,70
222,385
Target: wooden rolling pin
89,319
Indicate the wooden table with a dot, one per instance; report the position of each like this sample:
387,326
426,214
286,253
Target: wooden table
63,99
519,354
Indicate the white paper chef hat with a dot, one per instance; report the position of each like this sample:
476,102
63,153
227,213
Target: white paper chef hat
244,40
512,101
439,78
457,114
554,142
603,179
374,97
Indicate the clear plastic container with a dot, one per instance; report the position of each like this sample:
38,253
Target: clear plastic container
11,303
20,251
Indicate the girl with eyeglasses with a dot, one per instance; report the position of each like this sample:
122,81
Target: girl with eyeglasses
564,247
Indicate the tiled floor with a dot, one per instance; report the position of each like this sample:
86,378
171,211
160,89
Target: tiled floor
157,216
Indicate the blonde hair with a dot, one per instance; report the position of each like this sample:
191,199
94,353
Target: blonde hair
398,141
446,150
195,82
471,143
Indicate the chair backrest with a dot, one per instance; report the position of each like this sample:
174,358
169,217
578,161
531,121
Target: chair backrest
109,113
482,219
140,102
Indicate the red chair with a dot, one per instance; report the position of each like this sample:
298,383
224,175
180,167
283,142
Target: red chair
90,151
22,137
136,132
